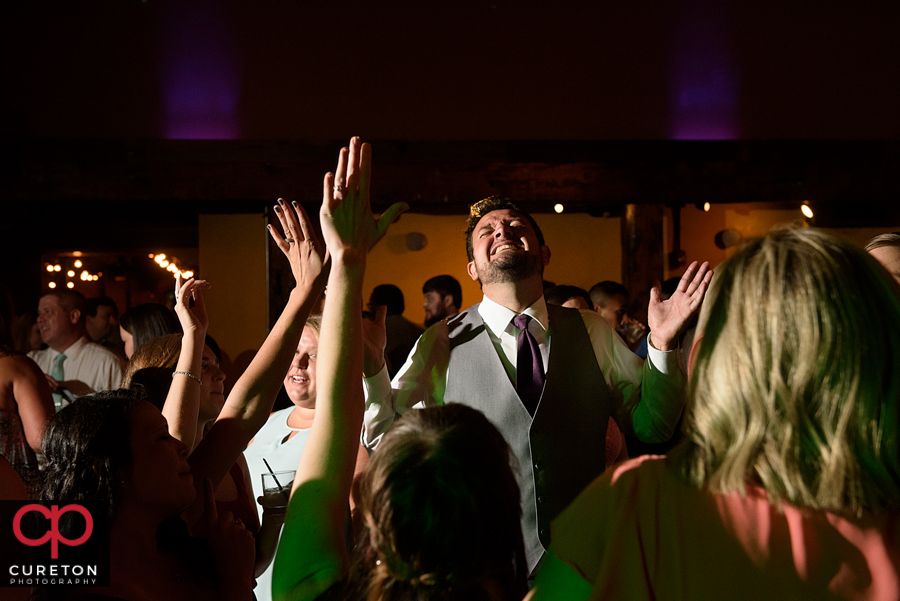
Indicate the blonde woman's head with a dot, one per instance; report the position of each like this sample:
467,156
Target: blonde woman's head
796,385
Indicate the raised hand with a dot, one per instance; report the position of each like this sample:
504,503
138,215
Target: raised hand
348,224
305,252
192,319
667,318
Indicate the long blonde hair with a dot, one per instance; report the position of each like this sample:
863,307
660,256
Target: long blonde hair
796,386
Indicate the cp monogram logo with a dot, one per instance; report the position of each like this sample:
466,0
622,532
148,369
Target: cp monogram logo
53,535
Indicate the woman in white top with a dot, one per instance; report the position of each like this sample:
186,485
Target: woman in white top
281,441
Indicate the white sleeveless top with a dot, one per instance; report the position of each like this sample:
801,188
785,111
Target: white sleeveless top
282,456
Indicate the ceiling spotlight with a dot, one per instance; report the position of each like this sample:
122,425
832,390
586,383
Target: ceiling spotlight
806,210
558,208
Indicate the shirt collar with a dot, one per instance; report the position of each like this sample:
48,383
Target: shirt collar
75,348
497,317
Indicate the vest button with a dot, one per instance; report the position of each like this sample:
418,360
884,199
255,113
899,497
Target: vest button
537,467
545,533
540,499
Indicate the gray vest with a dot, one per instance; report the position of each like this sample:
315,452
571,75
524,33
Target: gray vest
563,448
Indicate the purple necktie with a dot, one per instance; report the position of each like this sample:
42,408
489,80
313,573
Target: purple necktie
529,367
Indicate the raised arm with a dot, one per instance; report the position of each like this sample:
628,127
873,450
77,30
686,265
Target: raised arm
250,402
182,404
312,554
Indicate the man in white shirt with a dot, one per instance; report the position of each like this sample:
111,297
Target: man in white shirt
555,417
74,365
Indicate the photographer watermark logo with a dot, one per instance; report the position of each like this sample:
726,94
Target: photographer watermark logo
50,543
53,534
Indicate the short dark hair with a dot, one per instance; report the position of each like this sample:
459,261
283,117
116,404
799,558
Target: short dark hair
605,290
101,301
148,321
488,205
560,294
445,285
389,296
70,300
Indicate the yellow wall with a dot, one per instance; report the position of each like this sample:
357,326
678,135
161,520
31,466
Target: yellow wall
233,260
584,251
698,229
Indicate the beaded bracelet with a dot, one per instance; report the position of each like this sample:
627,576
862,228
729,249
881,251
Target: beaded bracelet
188,374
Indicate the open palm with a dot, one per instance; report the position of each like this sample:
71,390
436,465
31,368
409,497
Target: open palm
667,317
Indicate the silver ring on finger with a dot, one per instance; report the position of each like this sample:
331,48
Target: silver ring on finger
289,240
338,188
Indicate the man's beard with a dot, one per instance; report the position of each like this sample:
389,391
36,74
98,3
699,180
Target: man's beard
511,268
433,319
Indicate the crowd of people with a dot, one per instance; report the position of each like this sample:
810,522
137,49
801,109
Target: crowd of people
484,456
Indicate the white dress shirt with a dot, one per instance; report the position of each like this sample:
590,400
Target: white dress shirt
86,361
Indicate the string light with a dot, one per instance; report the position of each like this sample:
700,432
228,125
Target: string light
706,207
170,265
70,284
50,268
77,263
57,268
70,273
51,285
806,210
558,208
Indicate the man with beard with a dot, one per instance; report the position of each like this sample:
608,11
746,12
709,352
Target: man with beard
442,298
552,407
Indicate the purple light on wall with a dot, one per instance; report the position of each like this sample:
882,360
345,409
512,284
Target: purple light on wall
200,76
704,83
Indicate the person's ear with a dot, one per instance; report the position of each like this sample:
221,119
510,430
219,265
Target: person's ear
470,269
448,302
74,316
545,254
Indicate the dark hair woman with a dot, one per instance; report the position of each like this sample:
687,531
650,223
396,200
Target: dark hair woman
145,322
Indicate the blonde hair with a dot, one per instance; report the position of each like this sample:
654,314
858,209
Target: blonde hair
314,323
160,352
796,385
